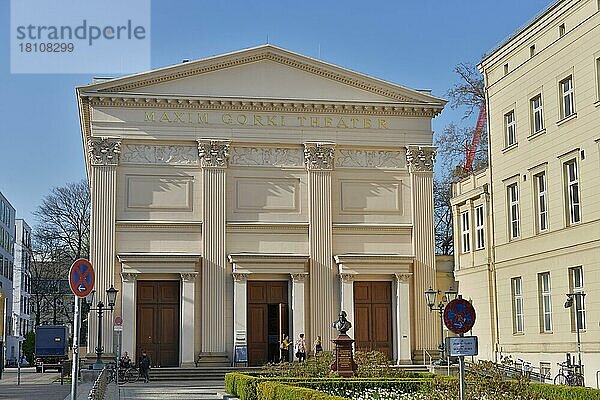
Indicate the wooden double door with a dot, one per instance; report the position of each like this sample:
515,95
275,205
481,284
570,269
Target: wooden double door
373,316
158,322
267,320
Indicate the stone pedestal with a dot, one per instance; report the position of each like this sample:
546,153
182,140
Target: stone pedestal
343,359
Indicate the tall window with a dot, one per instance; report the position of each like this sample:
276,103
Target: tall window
510,127
561,30
568,99
466,232
541,202
572,192
513,210
598,71
537,114
518,316
578,308
479,228
545,301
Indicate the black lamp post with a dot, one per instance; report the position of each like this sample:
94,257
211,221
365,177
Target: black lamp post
111,295
431,298
579,298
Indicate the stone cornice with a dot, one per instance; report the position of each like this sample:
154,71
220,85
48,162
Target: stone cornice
273,258
158,257
162,225
269,227
372,228
373,259
261,105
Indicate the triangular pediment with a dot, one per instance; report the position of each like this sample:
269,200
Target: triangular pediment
266,72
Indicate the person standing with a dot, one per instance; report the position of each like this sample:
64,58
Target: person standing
301,348
145,366
284,348
318,345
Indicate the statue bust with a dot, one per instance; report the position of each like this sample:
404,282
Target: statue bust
342,324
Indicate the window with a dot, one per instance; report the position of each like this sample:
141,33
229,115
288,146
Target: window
598,74
532,50
541,202
506,69
518,316
567,105
510,127
513,210
466,232
537,119
479,228
578,309
545,302
561,30
572,193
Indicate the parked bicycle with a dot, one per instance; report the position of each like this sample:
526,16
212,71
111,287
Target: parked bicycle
126,375
568,376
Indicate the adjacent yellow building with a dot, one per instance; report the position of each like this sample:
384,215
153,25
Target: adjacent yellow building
527,229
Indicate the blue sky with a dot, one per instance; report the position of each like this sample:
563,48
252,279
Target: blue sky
413,43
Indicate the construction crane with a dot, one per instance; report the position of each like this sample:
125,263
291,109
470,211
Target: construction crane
471,148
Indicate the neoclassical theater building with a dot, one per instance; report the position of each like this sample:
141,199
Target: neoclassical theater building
258,193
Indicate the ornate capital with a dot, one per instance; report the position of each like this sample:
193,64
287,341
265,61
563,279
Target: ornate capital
299,277
240,276
104,151
319,155
420,158
188,276
347,278
402,278
129,276
213,153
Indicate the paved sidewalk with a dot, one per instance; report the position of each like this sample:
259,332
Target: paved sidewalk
172,390
34,386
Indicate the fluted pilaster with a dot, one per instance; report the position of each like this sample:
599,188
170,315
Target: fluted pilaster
319,162
214,157
420,160
104,157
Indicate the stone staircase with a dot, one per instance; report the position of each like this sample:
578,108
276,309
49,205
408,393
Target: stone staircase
199,373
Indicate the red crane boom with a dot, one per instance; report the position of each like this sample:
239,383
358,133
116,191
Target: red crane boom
472,148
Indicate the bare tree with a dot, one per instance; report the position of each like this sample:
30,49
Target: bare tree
468,95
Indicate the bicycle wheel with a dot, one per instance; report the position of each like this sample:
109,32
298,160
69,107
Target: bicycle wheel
577,380
111,375
561,379
132,375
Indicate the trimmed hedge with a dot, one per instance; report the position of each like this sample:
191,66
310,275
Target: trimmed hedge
557,392
345,386
280,391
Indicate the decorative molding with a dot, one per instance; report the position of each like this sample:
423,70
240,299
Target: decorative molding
261,105
240,276
129,276
299,278
159,257
420,158
104,151
269,227
319,156
403,278
188,276
213,153
373,259
136,153
267,156
349,158
218,64
265,258
347,278
374,229
158,225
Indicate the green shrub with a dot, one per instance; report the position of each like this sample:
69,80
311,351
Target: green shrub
556,392
355,387
317,367
279,391
241,385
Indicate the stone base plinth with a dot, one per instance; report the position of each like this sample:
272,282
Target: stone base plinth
343,358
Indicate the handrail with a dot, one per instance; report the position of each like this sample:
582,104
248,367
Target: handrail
430,358
99,389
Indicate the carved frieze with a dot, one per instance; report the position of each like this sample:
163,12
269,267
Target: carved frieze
104,151
213,153
347,158
159,154
319,156
420,158
267,156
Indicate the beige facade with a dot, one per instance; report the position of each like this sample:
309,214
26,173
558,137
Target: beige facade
540,193
255,168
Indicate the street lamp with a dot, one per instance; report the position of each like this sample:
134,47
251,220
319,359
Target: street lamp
111,295
431,298
577,298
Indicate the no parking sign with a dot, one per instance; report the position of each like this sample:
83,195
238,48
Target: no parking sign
81,277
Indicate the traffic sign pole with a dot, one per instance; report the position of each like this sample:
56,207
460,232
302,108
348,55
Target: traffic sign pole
75,366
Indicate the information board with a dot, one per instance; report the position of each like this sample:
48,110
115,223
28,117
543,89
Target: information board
461,346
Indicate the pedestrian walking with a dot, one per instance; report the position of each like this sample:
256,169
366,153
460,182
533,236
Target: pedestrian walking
284,348
318,345
300,348
145,366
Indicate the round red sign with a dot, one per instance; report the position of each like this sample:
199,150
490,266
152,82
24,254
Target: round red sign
118,321
81,277
459,316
